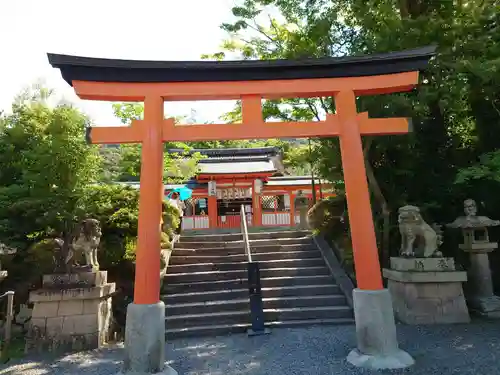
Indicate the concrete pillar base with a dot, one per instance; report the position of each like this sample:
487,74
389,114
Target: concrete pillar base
145,341
376,332
166,371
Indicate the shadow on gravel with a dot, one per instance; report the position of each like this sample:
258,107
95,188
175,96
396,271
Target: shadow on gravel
465,349
98,362
442,350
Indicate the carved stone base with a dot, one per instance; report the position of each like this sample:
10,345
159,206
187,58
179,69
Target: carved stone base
70,319
427,291
75,280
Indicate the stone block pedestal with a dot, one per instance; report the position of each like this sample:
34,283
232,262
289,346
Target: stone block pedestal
70,313
427,290
479,289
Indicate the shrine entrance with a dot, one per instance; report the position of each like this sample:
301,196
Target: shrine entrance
344,79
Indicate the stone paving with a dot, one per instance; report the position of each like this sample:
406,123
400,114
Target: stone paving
452,349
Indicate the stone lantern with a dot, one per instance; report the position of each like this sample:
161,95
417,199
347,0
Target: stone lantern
302,204
479,291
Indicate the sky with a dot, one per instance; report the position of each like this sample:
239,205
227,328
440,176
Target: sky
123,29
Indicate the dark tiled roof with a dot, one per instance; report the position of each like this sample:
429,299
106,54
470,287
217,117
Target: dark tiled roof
112,70
236,160
231,152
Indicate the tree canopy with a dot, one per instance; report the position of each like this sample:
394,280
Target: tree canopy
46,165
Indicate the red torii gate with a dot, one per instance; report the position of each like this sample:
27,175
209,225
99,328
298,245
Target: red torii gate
154,82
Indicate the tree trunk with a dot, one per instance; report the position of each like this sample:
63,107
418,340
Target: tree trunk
382,202
403,9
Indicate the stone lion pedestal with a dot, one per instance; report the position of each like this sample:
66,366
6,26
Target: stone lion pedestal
427,290
71,312
425,287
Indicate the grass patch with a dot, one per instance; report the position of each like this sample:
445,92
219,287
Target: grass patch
14,351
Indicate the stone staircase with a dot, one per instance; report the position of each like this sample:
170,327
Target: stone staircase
205,288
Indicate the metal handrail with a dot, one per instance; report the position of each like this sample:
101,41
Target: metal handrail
244,233
254,288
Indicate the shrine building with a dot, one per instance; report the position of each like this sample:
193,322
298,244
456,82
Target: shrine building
254,177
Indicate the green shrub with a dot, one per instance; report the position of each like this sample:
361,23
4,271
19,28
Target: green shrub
328,216
117,208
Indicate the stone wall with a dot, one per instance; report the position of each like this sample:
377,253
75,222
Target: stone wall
70,319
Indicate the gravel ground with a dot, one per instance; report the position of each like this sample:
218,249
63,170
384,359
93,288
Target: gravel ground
458,349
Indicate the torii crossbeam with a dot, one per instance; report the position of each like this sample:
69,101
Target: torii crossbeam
154,82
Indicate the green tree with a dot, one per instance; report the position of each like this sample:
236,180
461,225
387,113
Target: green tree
178,166
111,159
46,164
51,179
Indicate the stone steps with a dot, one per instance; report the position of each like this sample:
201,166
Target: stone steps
243,316
190,277
230,250
206,286
224,329
193,256
233,266
237,236
283,291
239,243
243,303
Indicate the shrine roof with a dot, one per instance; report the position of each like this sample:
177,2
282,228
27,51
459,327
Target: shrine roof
236,160
116,70
240,167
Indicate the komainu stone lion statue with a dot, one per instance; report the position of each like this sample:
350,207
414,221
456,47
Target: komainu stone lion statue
417,234
86,243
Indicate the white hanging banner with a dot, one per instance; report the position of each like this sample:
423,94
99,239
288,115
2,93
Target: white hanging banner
212,188
287,200
257,185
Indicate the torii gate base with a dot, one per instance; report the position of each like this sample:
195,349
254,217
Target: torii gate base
378,347
251,81
145,341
